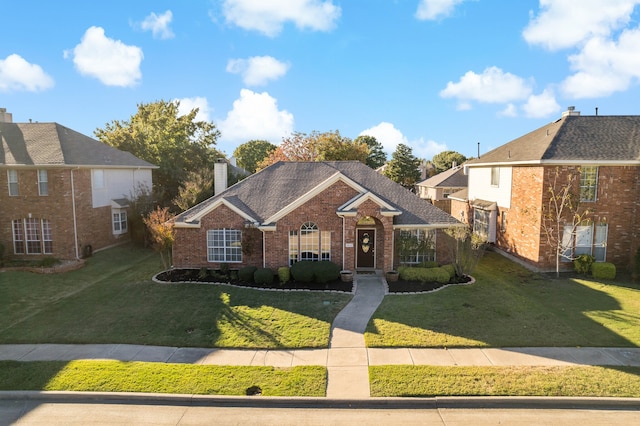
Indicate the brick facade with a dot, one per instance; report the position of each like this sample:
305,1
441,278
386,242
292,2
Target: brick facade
271,249
94,226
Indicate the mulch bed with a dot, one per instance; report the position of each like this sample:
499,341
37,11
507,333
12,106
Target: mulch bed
193,275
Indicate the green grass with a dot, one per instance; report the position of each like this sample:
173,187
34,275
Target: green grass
428,381
114,376
113,300
510,306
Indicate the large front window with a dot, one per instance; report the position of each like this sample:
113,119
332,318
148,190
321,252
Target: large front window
416,246
588,183
309,243
32,236
224,245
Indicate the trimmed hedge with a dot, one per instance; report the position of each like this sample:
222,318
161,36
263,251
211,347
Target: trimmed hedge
246,274
582,264
451,269
427,264
439,275
284,274
603,270
312,271
263,276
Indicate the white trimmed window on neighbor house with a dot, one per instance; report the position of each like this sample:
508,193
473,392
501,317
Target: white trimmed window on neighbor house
119,221
224,245
588,183
586,239
12,178
32,236
43,183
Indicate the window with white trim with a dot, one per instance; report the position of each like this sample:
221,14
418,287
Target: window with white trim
12,178
424,242
309,244
583,240
119,221
481,219
495,176
32,236
224,245
588,183
43,183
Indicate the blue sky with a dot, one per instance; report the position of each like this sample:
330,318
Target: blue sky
434,74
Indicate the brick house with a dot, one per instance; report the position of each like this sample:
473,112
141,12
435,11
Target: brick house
63,192
509,186
341,211
438,188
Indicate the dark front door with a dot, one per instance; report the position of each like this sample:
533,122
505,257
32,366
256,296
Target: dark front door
366,257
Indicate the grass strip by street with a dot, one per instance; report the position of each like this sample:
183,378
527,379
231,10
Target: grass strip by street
509,306
113,300
115,376
430,381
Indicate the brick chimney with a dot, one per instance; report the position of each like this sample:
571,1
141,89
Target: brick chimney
219,176
5,117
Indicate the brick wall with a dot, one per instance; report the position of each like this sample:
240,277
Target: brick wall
93,225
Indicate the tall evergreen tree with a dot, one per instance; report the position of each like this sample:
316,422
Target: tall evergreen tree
403,167
377,156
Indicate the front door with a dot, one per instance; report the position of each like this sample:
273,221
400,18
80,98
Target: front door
366,257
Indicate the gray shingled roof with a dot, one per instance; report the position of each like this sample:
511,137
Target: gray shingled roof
51,144
573,139
452,178
265,193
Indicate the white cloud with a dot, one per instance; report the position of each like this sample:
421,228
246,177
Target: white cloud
158,25
387,134
16,74
434,9
258,70
492,86
110,61
255,116
542,105
567,23
189,104
509,111
268,17
604,66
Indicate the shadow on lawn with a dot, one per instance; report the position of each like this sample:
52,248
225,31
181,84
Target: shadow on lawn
508,306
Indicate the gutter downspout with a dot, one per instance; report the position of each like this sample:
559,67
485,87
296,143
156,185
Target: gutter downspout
75,222
343,242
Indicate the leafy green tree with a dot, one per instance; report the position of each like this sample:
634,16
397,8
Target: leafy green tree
377,157
444,160
251,153
403,167
176,143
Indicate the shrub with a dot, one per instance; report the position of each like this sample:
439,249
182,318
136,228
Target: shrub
1,254
582,264
225,269
263,276
303,271
246,274
439,275
47,262
284,274
428,264
451,269
603,271
325,271
203,273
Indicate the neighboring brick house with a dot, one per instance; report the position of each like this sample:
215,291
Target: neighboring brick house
63,193
341,211
438,188
509,186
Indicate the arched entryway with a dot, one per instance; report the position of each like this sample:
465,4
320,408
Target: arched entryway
369,243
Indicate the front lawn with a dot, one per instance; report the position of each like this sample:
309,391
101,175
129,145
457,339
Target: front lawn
113,300
509,306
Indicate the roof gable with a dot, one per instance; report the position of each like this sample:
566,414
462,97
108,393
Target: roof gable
273,192
50,144
454,177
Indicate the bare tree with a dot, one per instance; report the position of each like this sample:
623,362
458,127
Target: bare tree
563,214
466,249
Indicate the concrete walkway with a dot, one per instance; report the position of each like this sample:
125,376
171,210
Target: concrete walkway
347,359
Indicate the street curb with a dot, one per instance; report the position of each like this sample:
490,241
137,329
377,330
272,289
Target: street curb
312,402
